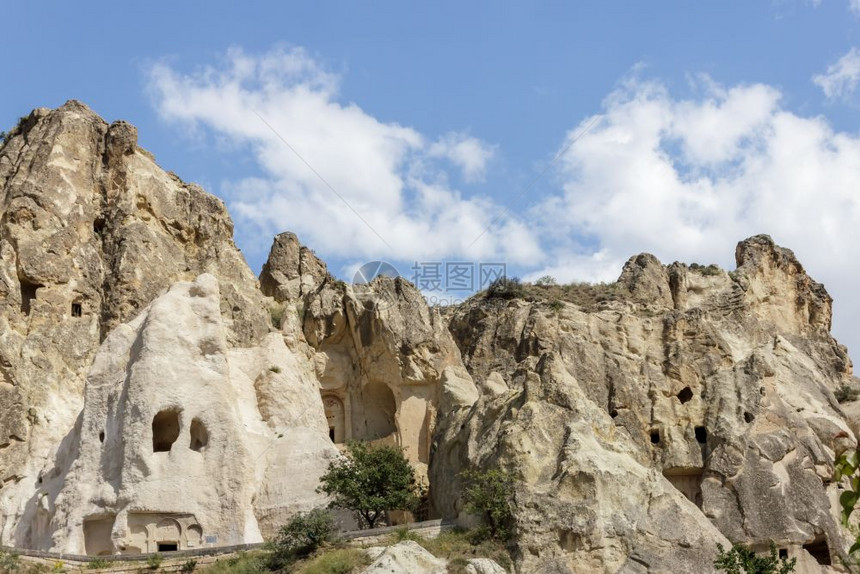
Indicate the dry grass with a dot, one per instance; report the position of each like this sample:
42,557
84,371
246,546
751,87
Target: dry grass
459,546
333,561
587,296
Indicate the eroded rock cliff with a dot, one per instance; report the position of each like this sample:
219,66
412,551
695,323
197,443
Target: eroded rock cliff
154,392
91,231
688,406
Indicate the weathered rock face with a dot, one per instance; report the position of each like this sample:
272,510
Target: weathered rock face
385,363
292,270
699,406
91,231
153,392
173,445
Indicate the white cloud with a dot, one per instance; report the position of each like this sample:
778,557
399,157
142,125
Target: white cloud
684,179
469,154
687,179
388,173
854,6
841,79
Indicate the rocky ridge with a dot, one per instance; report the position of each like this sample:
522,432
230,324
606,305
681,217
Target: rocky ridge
155,392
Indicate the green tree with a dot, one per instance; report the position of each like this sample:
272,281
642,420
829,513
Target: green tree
847,471
490,495
742,560
303,534
370,480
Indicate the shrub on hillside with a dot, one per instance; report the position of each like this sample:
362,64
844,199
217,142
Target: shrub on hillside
504,288
845,394
301,536
742,560
490,495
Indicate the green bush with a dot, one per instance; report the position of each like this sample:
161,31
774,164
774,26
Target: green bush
546,281
742,560
490,495
98,564
9,562
189,566
504,288
154,561
370,480
706,270
300,537
846,394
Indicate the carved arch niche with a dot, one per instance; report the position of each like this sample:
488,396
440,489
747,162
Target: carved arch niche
335,414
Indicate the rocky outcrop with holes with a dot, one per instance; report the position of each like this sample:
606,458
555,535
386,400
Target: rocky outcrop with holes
386,363
697,406
91,231
154,393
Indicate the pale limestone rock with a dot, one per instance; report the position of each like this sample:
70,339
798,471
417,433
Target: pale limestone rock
93,231
720,383
292,270
458,390
406,557
174,445
483,566
690,407
385,361
409,557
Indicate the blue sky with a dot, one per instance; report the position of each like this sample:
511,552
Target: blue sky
710,121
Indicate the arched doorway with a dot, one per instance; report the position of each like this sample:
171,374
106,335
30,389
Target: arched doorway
335,414
167,534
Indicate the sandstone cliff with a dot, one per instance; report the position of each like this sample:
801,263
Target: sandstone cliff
690,405
91,231
154,392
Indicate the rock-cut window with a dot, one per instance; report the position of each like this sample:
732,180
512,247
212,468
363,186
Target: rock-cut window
199,435
165,430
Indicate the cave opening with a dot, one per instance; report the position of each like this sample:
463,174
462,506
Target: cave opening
688,481
685,395
165,430
655,436
199,435
749,417
819,550
28,295
701,435
77,310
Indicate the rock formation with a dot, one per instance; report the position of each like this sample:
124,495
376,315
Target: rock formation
92,231
408,556
154,393
696,405
169,449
